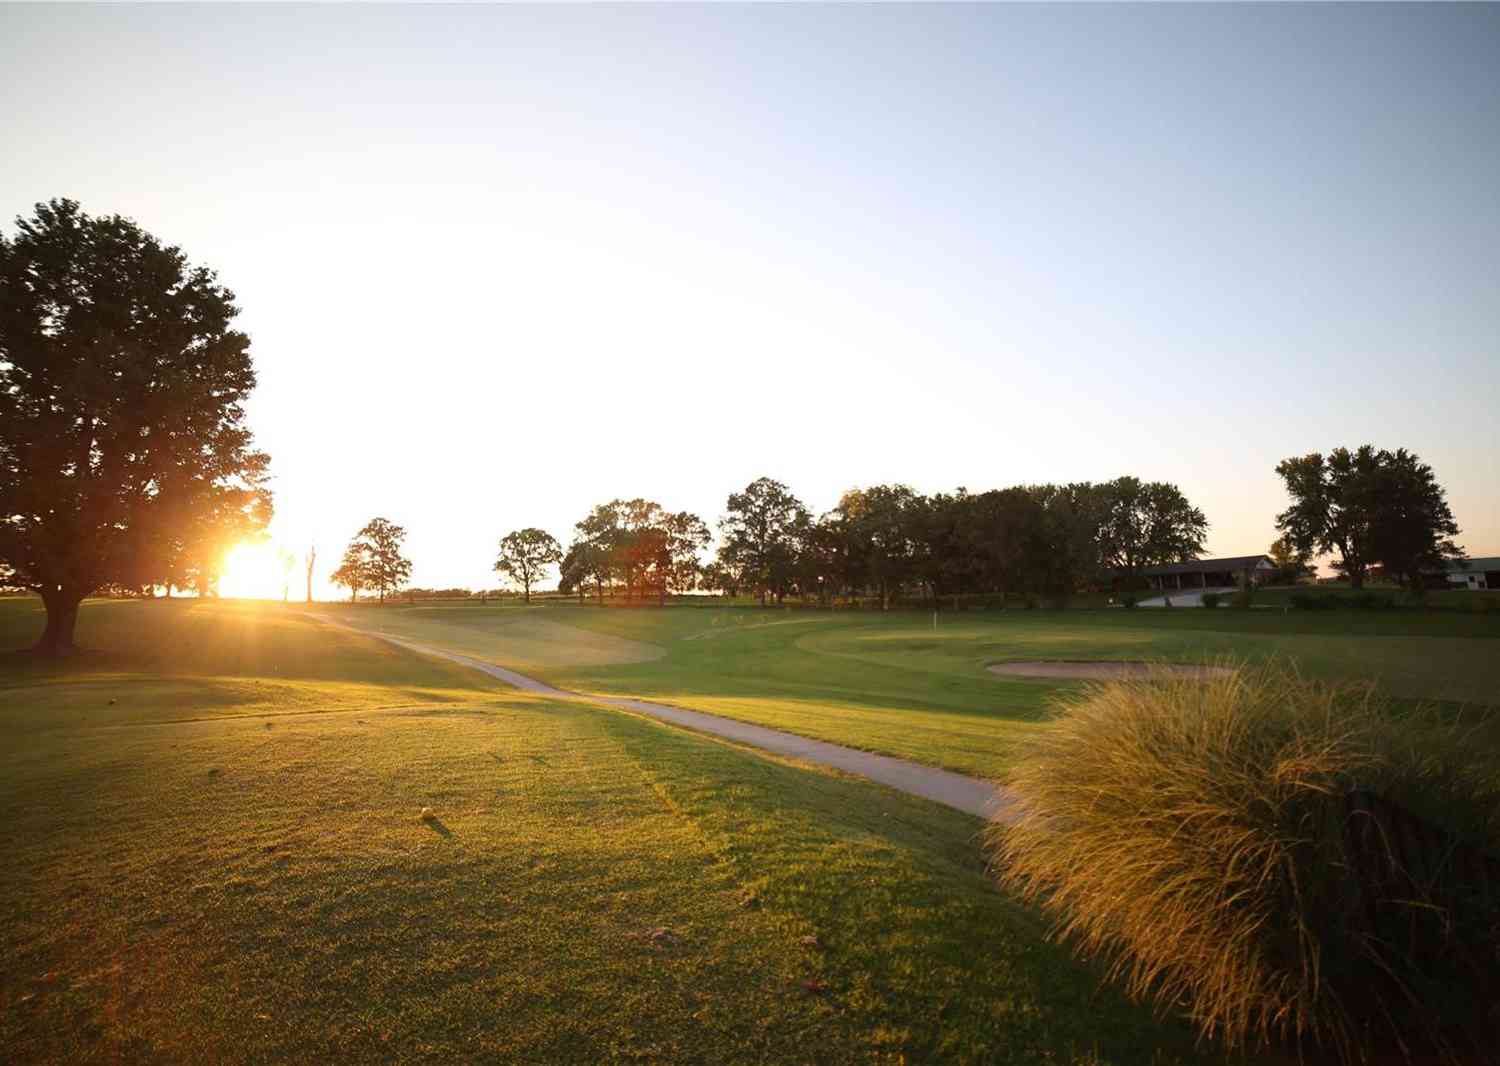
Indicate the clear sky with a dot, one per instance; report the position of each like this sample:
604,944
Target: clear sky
500,264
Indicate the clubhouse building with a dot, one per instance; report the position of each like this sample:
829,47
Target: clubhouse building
1474,573
1209,573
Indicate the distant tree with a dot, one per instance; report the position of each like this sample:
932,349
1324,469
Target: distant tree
312,557
1414,528
760,532
721,578
584,563
1147,524
646,547
1291,565
1372,507
122,390
677,562
601,540
379,544
879,523
1063,546
1001,533
353,571
1334,500
288,563
525,554
937,560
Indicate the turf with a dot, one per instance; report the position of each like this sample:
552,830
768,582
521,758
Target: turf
227,863
902,685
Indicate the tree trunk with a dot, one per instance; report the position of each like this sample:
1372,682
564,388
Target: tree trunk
62,617
527,588
382,596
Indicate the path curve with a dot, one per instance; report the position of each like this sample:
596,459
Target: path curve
969,794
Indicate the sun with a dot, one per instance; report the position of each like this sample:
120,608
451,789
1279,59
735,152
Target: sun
254,572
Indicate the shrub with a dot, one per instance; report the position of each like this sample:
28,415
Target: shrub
1312,601
1198,836
1211,599
1363,600
1244,596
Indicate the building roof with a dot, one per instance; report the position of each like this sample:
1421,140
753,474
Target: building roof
1488,562
1207,566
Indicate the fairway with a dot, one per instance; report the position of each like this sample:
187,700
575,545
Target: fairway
215,854
904,685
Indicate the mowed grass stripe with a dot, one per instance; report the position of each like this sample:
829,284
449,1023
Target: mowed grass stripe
898,685
596,887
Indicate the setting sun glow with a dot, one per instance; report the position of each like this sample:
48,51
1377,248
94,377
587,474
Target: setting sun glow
256,571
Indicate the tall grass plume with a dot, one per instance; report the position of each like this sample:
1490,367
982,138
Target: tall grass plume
1289,862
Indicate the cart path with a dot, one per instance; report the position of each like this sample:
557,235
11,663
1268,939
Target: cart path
969,794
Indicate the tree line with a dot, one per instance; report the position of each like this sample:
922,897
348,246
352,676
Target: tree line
126,464
1038,541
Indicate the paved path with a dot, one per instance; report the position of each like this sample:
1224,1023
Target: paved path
969,794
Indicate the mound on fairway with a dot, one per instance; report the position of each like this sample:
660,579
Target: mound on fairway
1105,671
521,639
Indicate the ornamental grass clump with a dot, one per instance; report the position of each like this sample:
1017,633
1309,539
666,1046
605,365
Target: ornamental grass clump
1291,863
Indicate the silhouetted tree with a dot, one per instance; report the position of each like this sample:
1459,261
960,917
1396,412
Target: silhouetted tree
525,554
1291,564
1371,507
584,562
384,568
121,412
877,526
1147,524
1414,527
760,533
353,570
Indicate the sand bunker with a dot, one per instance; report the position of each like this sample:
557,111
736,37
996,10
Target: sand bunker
1104,671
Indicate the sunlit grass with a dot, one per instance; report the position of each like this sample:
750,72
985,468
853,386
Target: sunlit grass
217,869
900,685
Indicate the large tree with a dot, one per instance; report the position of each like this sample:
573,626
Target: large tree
761,529
879,523
378,546
122,436
525,554
1370,506
1147,524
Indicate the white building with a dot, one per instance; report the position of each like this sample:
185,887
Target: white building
1475,573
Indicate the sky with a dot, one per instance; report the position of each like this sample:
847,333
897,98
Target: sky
499,264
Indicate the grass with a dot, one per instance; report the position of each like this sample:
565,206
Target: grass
215,852
897,684
1198,836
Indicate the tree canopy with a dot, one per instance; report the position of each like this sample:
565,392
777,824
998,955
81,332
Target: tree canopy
638,543
1371,507
525,554
124,457
373,559
762,530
